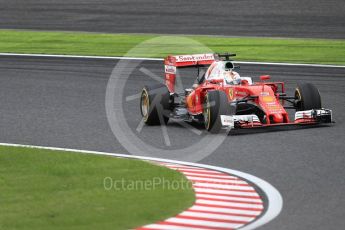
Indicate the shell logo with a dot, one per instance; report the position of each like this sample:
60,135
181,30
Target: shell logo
268,99
189,102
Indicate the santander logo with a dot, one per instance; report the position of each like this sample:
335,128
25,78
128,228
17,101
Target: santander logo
170,69
196,57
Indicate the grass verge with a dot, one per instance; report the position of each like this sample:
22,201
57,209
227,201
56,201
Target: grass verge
43,189
322,51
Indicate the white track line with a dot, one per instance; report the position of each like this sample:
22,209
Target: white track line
290,64
161,59
230,208
193,169
178,166
203,171
79,56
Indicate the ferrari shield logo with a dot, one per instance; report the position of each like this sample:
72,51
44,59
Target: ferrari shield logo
231,93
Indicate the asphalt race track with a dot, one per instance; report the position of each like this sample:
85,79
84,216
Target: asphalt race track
61,102
289,18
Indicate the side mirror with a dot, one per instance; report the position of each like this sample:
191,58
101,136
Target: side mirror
244,82
265,77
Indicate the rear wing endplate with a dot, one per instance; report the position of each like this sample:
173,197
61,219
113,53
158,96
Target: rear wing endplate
179,61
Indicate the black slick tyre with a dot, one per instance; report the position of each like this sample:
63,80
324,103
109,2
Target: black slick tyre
215,104
154,104
307,97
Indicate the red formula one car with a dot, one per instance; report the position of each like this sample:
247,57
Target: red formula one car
222,99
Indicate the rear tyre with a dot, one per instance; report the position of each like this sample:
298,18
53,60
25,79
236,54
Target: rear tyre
307,97
154,104
215,104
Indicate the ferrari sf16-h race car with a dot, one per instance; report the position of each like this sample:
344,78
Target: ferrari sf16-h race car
221,99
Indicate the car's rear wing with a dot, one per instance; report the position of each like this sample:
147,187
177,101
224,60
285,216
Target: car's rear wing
178,61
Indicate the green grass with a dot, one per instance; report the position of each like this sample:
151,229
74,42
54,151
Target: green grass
43,189
323,51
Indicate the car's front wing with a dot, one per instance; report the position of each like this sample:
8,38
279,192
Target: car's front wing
307,117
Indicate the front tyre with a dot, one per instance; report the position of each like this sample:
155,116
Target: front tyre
215,104
154,104
307,97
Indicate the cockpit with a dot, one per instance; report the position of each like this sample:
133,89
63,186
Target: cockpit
223,70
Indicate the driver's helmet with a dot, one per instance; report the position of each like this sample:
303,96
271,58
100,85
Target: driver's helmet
230,76
223,70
